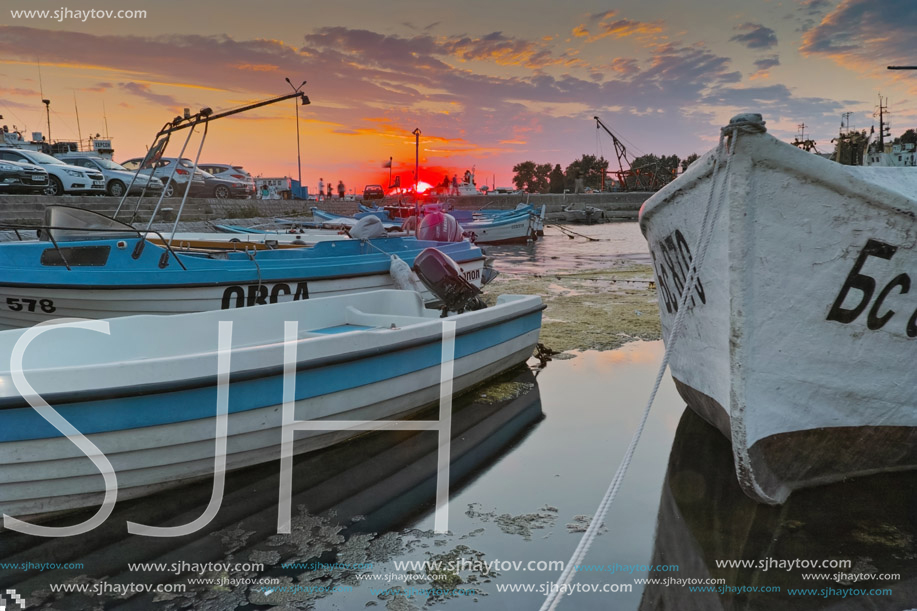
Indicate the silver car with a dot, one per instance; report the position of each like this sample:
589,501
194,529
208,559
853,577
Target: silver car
230,172
164,168
117,177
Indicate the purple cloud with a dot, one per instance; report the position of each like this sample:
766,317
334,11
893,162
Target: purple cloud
866,32
755,36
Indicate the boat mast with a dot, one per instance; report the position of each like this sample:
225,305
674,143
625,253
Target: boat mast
884,126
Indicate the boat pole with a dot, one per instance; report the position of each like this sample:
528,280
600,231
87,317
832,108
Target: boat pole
416,133
298,148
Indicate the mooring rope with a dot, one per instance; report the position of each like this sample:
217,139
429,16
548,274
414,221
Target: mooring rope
746,123
251,255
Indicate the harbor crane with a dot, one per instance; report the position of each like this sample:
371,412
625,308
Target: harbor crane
643,178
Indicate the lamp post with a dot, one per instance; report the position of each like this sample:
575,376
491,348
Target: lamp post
298,149
416,133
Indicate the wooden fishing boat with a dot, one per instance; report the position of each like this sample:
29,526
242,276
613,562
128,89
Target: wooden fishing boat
184,240
144,389
795,339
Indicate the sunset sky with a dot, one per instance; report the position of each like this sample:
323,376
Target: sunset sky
489,83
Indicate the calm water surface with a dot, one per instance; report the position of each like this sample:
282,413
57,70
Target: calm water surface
531,456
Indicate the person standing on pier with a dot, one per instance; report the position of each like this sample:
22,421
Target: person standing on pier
321,188
341,189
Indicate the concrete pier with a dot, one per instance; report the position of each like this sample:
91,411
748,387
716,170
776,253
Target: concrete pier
29,209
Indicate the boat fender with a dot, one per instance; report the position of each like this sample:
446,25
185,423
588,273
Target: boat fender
402,275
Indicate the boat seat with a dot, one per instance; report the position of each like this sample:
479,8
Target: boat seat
346,328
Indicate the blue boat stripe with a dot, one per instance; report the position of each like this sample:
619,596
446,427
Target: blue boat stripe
170,405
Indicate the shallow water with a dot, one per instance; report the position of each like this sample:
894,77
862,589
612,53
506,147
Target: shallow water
555,251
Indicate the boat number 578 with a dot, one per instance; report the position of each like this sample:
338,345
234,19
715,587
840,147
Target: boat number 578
23,304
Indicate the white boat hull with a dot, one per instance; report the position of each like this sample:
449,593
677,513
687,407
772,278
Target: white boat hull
521,229
797,339
148,402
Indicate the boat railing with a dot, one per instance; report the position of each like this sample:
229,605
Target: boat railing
160,142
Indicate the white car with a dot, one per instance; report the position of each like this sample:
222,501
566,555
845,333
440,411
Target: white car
117,177
62,178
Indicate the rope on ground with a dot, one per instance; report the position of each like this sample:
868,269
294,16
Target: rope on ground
741,123
570,233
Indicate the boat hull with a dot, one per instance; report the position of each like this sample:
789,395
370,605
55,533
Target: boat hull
158,431
125,286
512,229
795,335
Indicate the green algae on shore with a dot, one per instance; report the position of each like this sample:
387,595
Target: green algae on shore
596,309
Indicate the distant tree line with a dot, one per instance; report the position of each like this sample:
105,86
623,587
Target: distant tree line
534,177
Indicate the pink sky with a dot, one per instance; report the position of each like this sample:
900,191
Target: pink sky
489,84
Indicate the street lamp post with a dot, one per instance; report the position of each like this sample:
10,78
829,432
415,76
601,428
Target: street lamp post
416,133
298,149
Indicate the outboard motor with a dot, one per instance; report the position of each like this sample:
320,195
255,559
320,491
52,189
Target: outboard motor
443,277
439,227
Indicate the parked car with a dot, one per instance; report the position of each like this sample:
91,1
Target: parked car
62,177
229,172
371,192
505,191
16,177
222,188
163,168
117,177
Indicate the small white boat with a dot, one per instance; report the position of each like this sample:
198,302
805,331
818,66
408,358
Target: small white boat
796,340
511,228
145,391
583,214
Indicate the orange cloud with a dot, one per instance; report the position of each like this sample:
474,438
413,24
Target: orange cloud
617,28
257,67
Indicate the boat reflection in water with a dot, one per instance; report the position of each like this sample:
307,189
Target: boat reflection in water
704,517
342,497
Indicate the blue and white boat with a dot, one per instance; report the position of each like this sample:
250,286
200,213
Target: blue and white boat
144,389
77,273
515,227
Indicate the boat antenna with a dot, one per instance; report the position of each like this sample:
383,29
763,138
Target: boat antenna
105,117
79,132
884,126
44,100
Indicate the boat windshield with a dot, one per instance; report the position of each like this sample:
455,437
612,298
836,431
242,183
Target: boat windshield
65,223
